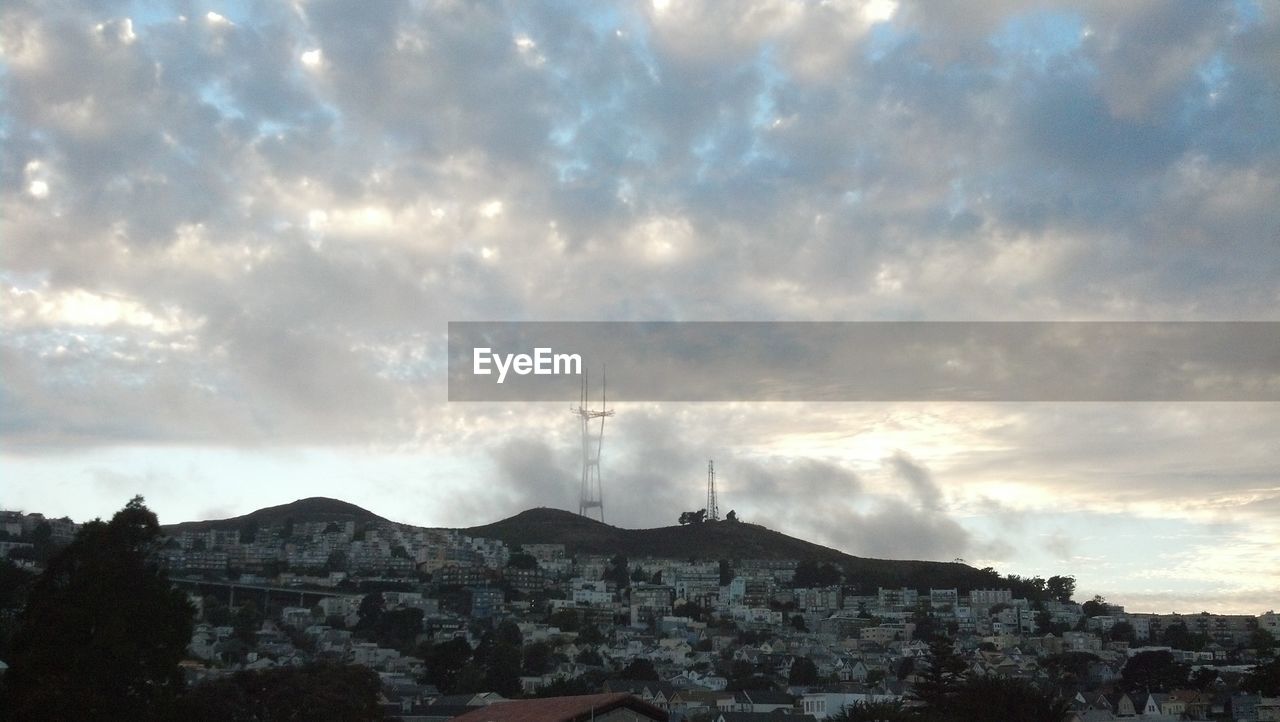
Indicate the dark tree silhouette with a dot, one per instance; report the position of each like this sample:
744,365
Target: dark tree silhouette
1122,632
444,662
1153,672
874,712
1061,588
939,683
103,630
15,584
617,572
537,658
812,574
639,668
521,560
693,517
1263,679
726,572
1000,699
1094,607
319,692
803,672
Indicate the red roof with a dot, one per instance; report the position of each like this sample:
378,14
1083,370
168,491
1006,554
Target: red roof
561,709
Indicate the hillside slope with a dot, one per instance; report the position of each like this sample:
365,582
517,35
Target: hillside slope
316,508
720,540
708,541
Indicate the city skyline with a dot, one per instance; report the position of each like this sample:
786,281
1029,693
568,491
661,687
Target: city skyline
234,234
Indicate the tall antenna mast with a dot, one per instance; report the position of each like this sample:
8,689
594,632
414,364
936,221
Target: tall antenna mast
713,507
591,495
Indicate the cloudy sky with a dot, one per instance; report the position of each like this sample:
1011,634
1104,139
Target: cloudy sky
232,234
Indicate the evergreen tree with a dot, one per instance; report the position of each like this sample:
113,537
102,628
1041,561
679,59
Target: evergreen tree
939,682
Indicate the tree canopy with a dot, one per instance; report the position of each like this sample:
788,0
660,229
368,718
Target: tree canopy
693,517
319,692
103,630
1155,671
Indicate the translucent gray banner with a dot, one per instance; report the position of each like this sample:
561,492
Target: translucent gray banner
890,361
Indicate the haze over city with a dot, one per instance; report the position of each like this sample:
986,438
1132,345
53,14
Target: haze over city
234,232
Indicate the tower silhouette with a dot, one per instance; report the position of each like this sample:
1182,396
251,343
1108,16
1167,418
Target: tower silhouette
591,495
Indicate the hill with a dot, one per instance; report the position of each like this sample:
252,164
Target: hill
707,541
316,508
722,540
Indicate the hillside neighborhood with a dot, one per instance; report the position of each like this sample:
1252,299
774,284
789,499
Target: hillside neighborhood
452,622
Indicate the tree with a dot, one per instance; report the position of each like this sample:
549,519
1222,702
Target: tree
508,632
639,668
337,561
617,572
803,672
1046,625
566,620
1070,668
1203,678
1122,632
370,610
1000,699
874,712
693,517
397,629
15,584
246,621
589,656
321,692
797,623
1153,672
537,658
1261,640
726,572
939,683
103,630
731,516
502,674
444,661
1177,635
1263,679
42,533
590,634
1094,607
812,574
522,561
576,687
1061,588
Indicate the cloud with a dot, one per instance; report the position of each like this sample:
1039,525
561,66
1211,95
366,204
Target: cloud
529,468
919,480
1058,543
895,530
247,232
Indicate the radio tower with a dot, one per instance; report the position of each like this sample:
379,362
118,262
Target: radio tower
591,496
713,508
